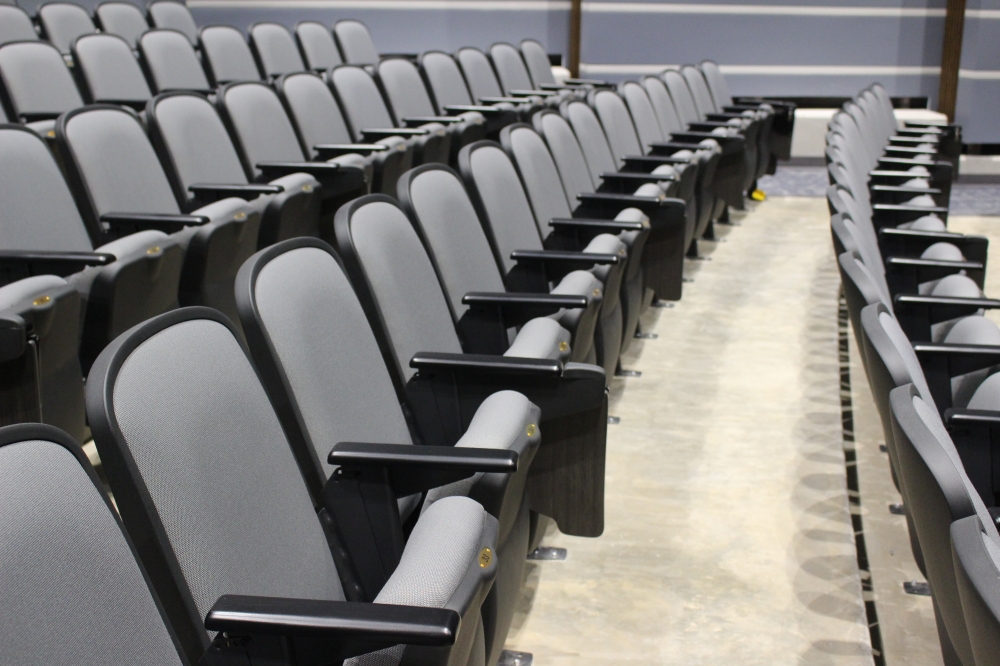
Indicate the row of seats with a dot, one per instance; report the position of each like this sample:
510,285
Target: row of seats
914,297
334,450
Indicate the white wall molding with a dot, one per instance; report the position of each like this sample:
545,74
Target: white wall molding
772,70
979,75
465,5
764,10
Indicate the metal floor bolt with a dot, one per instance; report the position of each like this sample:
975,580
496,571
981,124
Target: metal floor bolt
546,553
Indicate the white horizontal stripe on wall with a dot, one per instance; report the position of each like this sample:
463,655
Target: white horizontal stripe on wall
772,70
983,13
767,10
474,5
980,75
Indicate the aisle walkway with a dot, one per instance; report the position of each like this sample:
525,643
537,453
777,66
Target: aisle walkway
728,538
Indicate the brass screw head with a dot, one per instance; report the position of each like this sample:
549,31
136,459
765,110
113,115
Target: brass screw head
41,300
597,292
240,216
532,429
153,250
563,346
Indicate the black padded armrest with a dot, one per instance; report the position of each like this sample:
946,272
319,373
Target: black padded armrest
933,269
638,178
588,82
554,87
416,121
720,117
889,174
981,417
501,100
909,161
961,305
914,242
961,359
596,224
548,256
478,363
168,223
905,189
929,123
903,208
911,139
662,212
407,56
396,131
314,169
335,179
695,137
329,150
508,299
411,457
245,191
910,151
465,108
52,263
329,630
532,93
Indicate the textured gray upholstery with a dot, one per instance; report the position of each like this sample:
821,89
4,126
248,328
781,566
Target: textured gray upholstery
901,346
111,72
445,79
566,151
15,25
276,49
37,80
454,236
663,105
681,95
405,89
122,171
700,94
315,111
537,62
618,127
505,202
171,61
218,469
227,55
262,125
317,46
355,42
717,84
305,303
403,282
173,15
68,570
510,68
643,114
123,19
62,22
38,212
199,146
479,74
540,178
592,139
362,102
541,338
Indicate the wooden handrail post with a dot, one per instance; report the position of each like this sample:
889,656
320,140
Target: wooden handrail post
575,20
951,57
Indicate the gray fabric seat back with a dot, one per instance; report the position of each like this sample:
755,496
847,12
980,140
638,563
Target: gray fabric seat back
716,84
617,123
195,142
171,61
15,25
439,205
314,111
275,49
175,16
117,162
304,302
206,453
539,175
592,138
681,95
38,83
402,282
445,79
362,102
976,549
510,68
700,93
317,46
355,42
537,61
69,569
566,151
643,114
123,19
227,55
109,70
663,105
894,351
38,211
493,180
478,73
62,22
261,125
405,89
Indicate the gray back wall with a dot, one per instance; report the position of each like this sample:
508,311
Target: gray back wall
773,47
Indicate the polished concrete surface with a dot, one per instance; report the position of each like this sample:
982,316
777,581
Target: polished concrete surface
729,537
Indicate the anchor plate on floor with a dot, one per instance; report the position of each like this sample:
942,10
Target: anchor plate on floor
512,658
546,553
918,587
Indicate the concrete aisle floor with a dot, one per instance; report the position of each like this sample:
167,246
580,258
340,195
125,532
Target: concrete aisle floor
728,535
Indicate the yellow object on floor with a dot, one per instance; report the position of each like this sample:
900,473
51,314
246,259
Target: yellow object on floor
758,195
